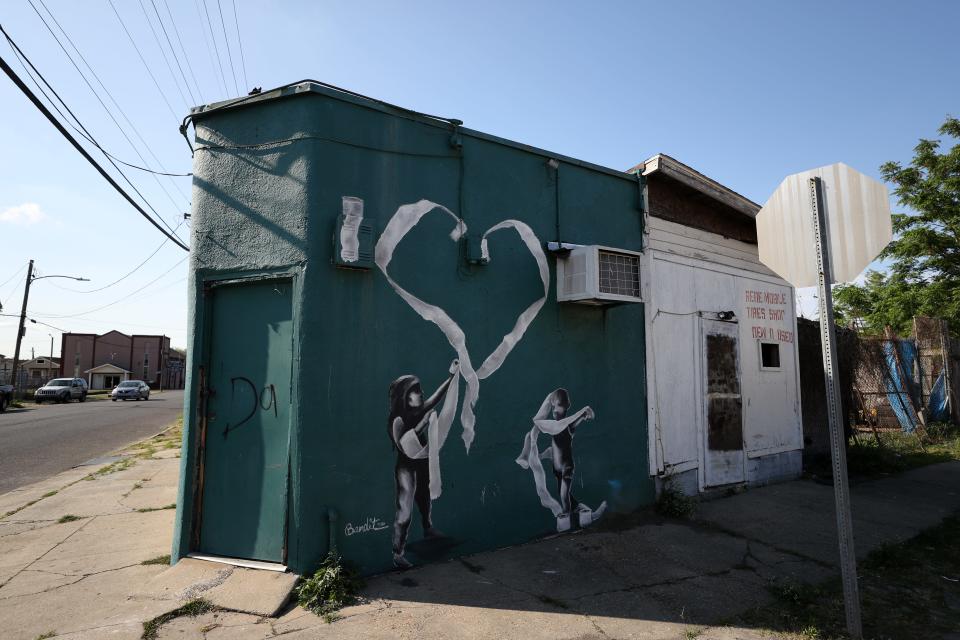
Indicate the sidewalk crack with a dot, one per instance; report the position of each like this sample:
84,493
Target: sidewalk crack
41,556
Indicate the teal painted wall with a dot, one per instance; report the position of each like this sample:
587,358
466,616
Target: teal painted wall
269,178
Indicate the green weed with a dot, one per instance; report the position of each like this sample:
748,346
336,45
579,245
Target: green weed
68,518
158,560
194,608
673,503
115,466
331,587
172,505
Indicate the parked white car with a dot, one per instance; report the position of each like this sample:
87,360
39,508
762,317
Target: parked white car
131,390
62,390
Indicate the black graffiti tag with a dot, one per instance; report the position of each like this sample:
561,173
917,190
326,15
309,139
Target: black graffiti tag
257,401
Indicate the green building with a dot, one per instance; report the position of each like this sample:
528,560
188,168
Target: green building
409,340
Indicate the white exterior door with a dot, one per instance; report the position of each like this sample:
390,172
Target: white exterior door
723,456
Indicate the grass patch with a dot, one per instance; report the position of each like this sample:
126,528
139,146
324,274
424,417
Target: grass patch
19,509
194,608
68,518
895,451
45,636
158,560
907,590
49,494
673,503
115,466
331,587
172,505
170,439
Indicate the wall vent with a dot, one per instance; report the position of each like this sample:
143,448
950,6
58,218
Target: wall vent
598,275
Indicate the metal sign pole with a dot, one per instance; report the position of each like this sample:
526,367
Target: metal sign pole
841,490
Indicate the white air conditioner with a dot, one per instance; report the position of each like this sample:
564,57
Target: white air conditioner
598,275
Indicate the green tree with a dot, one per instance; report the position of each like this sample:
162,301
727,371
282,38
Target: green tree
924,257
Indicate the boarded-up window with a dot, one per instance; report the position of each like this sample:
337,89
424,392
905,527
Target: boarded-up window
724,404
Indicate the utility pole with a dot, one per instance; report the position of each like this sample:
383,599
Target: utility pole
23,312
22,328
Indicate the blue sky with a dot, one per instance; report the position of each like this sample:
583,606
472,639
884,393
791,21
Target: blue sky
745,92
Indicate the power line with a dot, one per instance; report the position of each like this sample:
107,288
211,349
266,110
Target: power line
143,60
102,103
34,320
243,62
183,50
28,65
226,41
206,41
66,134
223,77
173,52
81,130
166,61
21,55
119,300
18,272
112,322
110,96
11,292
121,279
16,286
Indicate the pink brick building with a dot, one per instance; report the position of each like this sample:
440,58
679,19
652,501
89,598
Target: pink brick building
106,359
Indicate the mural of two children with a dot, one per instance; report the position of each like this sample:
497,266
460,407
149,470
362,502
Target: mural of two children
408,422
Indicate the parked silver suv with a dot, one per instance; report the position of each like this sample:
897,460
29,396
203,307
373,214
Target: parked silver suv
62,390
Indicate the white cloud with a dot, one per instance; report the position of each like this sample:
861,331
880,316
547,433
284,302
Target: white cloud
26,213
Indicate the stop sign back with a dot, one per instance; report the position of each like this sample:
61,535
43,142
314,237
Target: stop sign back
857,211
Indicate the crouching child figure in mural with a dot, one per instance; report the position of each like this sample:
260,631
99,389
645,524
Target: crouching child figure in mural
411,418
552,420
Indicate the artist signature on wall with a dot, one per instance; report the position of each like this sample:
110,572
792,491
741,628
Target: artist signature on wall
369,525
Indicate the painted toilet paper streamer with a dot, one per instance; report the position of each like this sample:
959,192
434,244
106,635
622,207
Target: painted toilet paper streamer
403,221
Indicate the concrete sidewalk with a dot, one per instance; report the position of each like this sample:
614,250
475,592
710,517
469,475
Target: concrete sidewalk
651,578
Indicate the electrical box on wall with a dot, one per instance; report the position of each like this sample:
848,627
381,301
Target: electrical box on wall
599,275
353,237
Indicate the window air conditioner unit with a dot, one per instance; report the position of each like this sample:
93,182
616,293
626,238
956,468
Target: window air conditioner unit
599,276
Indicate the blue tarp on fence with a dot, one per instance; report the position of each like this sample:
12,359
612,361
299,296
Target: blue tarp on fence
904,392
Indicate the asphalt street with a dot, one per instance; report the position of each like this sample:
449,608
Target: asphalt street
38,442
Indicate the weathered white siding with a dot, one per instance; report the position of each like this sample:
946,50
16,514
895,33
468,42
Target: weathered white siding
691,275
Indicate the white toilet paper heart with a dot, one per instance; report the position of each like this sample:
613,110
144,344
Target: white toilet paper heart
402,222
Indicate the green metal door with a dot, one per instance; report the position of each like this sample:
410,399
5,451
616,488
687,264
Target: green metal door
245,468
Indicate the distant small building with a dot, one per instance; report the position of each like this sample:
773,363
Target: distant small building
106,376
106,359
38,370
6,367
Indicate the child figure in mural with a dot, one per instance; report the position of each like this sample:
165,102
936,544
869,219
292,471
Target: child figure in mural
407,425
552,419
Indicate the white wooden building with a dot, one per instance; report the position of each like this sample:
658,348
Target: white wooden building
722,367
